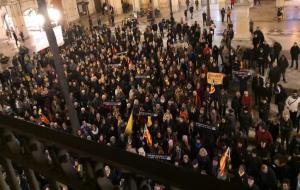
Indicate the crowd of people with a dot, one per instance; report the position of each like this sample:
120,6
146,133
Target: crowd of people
115,72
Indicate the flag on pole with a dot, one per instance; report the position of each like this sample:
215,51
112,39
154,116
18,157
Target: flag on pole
224,162
129,126
147,135
212,88
149,122
44,119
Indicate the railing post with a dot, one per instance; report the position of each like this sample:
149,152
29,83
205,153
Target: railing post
33,183
3,184
11,174
53,184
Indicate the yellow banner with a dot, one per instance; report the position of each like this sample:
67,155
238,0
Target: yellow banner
215,78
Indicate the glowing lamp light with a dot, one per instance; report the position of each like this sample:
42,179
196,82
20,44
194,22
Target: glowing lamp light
54,14
40,20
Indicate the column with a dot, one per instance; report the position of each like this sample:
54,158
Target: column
183,4
175,5
17,17
222,3
241,31
136,5
117,5
70,10
92,7
155,4
279,3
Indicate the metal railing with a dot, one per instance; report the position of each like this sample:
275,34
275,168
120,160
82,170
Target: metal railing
43,151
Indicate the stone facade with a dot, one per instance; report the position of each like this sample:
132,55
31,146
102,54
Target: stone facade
69,9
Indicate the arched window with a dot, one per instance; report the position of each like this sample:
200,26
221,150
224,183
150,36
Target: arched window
8,23
32,20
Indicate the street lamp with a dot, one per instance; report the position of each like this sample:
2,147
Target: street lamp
171,10
208,13
58,63
153,11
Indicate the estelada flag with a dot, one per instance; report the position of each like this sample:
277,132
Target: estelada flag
212,89
147,135
44,119
129,126
223,161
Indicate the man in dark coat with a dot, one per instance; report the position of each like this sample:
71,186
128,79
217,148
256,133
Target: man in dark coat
295,50
236,104
274,75
257,85
283,65
260,58
267,178
260,35
277,49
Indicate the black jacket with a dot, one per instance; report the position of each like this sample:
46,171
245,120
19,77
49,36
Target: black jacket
257,84
274,74
283,64
295,51
268,181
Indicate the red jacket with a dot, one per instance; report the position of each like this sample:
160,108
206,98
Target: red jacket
197,101
247,101
264,137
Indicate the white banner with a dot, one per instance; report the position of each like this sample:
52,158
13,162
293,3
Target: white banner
40,40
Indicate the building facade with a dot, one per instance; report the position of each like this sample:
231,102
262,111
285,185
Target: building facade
15,14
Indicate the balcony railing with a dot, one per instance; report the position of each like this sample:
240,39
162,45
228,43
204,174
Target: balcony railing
42,151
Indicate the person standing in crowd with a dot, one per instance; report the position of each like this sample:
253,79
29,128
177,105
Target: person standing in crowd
260,59
280,97
260,36
187,3
186,14
232,3
197,4
277,50
274,75
204,18
283,64
191,11
295,51
251,183
267,178
293,105
223,12
285,185
228,13
286,128
236,104
257,86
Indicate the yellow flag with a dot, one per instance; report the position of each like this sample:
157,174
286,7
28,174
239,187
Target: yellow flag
128,129
149,122
147,135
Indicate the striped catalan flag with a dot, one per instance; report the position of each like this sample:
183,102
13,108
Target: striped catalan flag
147,135
224,161
44,119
